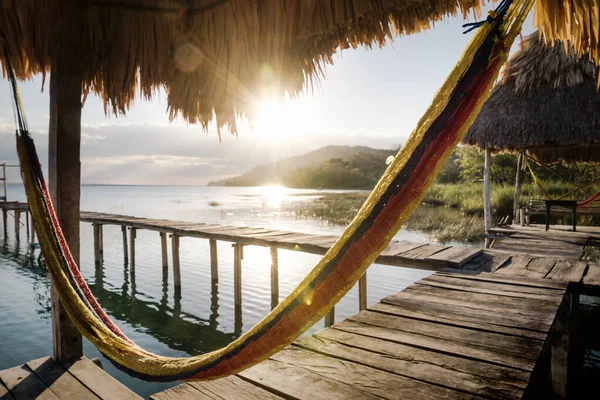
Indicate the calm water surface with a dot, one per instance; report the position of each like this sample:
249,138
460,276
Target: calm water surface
145,308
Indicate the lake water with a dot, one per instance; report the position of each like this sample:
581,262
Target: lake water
146,308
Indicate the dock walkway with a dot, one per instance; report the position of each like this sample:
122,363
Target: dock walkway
46,379
450,335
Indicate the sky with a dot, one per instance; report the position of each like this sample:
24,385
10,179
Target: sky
372,97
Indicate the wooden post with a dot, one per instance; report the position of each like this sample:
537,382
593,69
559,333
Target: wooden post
4,220
27,223
522,216
274,277
64,141
518,179
32,228
560,345
237,274
362,292
97,244
487,214
214,261
163,249
125,250
330,317
175,251
132,235
17,224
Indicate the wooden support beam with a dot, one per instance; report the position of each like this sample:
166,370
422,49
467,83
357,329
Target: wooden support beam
132,235
125,250
176,267
561,343
164,250
237,274
214,261
64,150
362,292
17,225
4,220
330,318
274,277
487,214
27,223
517,197
32,228
97,244
4,182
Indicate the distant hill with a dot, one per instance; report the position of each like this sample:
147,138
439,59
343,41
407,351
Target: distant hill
309,170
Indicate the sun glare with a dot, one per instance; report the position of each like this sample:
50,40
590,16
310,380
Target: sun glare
278,120
273,195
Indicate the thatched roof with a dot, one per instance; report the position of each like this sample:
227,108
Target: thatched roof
209,55
546,103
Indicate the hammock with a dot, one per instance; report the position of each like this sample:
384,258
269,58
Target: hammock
397,194
582,203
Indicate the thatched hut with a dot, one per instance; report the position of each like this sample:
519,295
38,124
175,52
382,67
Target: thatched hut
214,58
545,105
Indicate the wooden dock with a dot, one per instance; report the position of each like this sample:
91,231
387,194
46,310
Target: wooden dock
450,335
47,379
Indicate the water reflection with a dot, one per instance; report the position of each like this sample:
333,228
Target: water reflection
168,324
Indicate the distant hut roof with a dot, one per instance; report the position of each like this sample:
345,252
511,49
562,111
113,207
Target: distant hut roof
209,55
545,103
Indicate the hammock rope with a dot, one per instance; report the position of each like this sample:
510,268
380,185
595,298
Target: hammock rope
582,203
391,202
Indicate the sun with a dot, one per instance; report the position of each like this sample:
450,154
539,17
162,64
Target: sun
279,119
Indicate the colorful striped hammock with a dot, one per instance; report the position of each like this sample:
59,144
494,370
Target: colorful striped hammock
397,194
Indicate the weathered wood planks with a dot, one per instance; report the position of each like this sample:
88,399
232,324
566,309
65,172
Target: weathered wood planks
451,335
47,379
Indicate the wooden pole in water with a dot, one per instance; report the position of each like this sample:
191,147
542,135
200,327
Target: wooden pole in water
27,223
238,255
17,224
125,250
274,277
175,250
4,219
487,214
214,261
330,318
518,179
32,228
4,181
164,251
64,149
362,292
132,234
96,228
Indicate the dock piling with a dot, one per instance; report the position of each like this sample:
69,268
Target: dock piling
132,234
362,292
17,224
238,255
125,250
176,267
274,277
330,317
163,249
214,261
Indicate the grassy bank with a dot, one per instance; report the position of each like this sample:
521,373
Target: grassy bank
449,212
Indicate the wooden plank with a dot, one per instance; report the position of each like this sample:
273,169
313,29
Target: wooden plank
492,287
460,313
98,381
478,262
560,343
232,388
400,246
517,264
422,252
457,321
282,371
592,277
4,393
274,277
539,267
181,392
452,372
474,289
22,383
566,270
455,256
493,277
60,382
498,261
532,308
437,344
214,261
516,346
